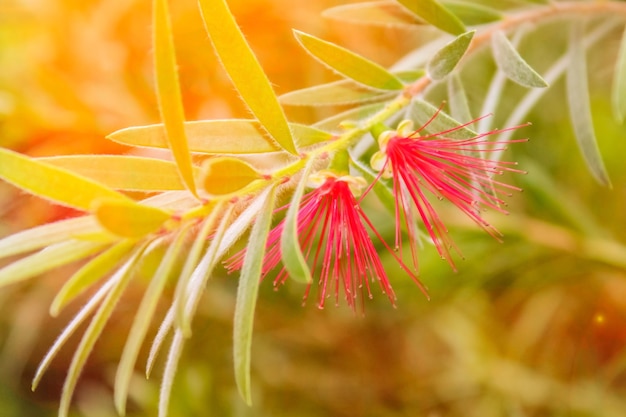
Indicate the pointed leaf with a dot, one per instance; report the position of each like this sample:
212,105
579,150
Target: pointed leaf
379,13
191,264
579,107
512,64
337,93
91,335
168,92
354,115
69,330
232,136
457,99
143,318
46,235
291,253
122,172
444,61
49,258
619,83
247,293
472,14
89,274
130,219
349,64
421,111
436,14
245,71
226,175
52,183
309,135
343,92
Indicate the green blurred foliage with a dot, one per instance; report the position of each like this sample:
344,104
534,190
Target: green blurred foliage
533,326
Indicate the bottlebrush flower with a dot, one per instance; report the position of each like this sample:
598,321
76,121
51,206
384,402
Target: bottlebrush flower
434,165
332,232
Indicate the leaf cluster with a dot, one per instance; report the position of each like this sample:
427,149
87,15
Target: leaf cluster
226,176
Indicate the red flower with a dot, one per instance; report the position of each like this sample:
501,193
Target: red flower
433,165
344,252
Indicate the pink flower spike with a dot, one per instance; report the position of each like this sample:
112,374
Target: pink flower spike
434,165
333,235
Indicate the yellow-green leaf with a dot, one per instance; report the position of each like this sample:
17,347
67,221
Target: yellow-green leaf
130,219
457,99
353,115
69,330
227,175
142,320
53,183
421,112
49,258
168,92
380,13
232,136
309,135
436,14
93,331
342,92
245,71
247,294
444,61
577,87
291,253
348,63
472,14
619,82
89,274
47,234
512,63
123,172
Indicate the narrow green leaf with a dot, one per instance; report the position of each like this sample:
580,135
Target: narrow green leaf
52,183
168,92
512,64
89,274
49,258
436,14
247,294
348,63
379,13
472,14
191,263
337,93
130,219
579,107
619,83
233,136
91,335
69,330
421,112
245,71
46,235
291,253
457,99
410,76
143,318
309,135
444,61
353,115
123,172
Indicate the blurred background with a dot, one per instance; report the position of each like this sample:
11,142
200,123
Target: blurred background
534,326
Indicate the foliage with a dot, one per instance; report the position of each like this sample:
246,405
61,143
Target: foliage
419,136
